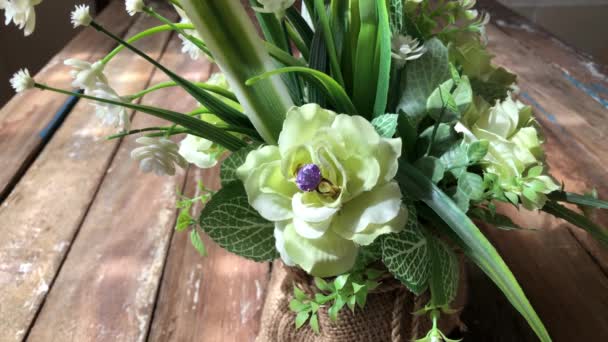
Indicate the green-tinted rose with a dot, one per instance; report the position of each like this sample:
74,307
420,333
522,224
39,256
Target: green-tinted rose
355,201
515,153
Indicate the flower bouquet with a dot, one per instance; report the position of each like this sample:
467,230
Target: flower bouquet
364,137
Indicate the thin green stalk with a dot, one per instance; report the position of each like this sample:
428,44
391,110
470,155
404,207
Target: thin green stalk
282,56
198,127
136,131
176,3
143,34
298,41
212,88
329,41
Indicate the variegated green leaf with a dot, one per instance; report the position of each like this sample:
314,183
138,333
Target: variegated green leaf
229,166
444,273
386,124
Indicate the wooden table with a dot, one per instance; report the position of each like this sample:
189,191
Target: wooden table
88,251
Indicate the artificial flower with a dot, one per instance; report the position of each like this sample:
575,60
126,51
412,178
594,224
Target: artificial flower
110,114
22,81
274,6
515,153
328,186
20,12
406,48
158,155
134,6
200,151
86,75
81,16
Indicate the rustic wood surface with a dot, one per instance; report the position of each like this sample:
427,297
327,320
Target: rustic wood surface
88,252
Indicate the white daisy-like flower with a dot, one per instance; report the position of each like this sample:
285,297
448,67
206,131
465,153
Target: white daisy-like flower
406,48
274,6
22,81
110,114
86,75
189,47
158,155
200,151
134,6
20,12
81,16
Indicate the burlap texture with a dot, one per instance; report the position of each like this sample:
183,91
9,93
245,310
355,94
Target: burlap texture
387,316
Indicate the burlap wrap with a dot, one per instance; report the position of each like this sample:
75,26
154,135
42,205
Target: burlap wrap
387,316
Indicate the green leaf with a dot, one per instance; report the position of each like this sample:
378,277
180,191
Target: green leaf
301,318
558,210
314,323
233,162
301,26
386,125
382,58
319,61
472,185
496,220
197,242
334,92
456,160
407,133
322,284
444,140
341,281
584,200
444,274
184,219
463,94
396,14
365,69
299,294
368,254
329,41
471,241
441,105
296,305
431,167
406,255
477,150
422,77
234,225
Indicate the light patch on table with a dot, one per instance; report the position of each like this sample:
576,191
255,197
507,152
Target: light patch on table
524,27
594,71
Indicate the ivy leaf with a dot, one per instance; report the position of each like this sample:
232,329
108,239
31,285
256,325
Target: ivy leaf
184,219
197,242
233,162
441,105
421,77
445,138
386,125
444,273
431,167
406,255
455,160
477,150
301,318
234,225
368,254
472,185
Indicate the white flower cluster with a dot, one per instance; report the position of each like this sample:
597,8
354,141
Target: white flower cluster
22,81
110,114
81,16
20,12
134,6
189,47
158,155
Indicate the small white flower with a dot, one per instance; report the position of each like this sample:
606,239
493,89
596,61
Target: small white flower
200,151
86,75
274,6
110,114
20,12
158,156
134,6
81,16
406,48
22,81
189,47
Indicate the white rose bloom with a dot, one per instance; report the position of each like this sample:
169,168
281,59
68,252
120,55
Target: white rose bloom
22,81
199,151
86,75
81,16
20,12
158,156
110,114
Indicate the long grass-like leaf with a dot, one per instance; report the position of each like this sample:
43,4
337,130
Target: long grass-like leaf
329,41
577,219
383,59
334,92
584,200
365,69
474,243
300,25
317,61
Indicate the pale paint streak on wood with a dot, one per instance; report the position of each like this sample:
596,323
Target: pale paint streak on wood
573,122
213,298
111,275
23,118
43,213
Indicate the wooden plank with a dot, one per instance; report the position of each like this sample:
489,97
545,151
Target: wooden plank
23,119
213,298
573,122
40,218
110,278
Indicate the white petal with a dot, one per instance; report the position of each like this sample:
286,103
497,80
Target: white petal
310,213
310,230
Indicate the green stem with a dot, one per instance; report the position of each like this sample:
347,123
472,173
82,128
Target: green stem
212,88
329,41
143,34
136,131
176,3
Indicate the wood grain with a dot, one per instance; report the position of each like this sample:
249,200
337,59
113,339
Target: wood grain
111,275
24,117
40,218
213,298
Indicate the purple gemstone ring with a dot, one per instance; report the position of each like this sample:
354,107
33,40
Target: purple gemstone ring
308,177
